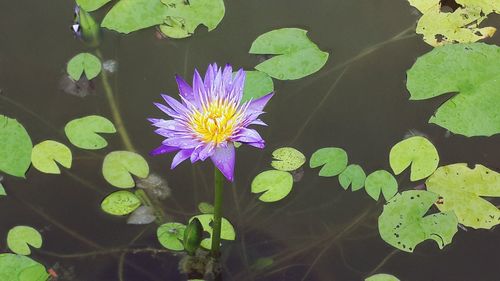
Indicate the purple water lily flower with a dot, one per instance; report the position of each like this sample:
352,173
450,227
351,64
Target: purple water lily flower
209,118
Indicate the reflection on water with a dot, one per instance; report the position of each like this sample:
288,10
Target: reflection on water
320,231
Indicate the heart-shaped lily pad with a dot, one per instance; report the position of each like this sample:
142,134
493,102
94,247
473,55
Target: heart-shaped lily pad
45,155
119,166
274,184
84,63
20,238
333,159
83,132
418,152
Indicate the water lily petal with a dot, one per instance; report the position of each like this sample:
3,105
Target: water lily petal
181,156
224,159
162,149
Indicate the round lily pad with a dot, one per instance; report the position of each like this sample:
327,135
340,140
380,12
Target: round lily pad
15,147
353,175
333,160
120,203
45,155
20,238
287,159
84,63
274,184
119,166
381,180
418,152
83,132
170,235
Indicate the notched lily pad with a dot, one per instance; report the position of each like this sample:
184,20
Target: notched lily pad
353,175
120,203
418,152
257,84
227,229
84,63
83,132
333,160
382,277
131,15
19,268
296,55
15,147
378,181
91,5
47,154
274,184
287,159
461,189
119,166
20,238
403,223
170,235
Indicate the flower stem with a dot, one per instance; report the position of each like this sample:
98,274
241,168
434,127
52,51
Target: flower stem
217,223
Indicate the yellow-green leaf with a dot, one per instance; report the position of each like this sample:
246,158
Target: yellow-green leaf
20,238
47,154
119,166
120,203
287,159
418,152
274,184
227,229
83,132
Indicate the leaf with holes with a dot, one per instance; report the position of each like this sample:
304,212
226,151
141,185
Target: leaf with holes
83,132
183,17
418,152
382,277
84,63
131,15
47,154
20,238
378,181
471,71
119,166
287,159
296,55
461,189
257,84
227,229
170,235
120,203
353,175
274,184
20,268
15,147
333,160
403,223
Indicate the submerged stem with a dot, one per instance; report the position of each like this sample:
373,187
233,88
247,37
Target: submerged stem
218,185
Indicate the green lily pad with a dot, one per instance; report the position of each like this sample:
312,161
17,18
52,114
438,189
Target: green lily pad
84,63
45,155
34,273
402,223
353,175
461,187
381,180
471,71
20,238
227,229
2,190
334,160
296,56
131,15
18,268
382,277
15,147
91,5
206,208
83,132
275,184
120,203
119,166
418,152
170,235
184,17
257,84
287,159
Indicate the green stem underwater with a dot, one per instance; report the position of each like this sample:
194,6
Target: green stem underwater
217,221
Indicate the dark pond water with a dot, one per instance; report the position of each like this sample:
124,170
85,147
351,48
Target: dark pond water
320,231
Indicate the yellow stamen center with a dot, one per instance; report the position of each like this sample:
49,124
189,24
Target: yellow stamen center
216,122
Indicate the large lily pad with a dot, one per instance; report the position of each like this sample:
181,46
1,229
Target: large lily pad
227,229
83,132
183,17
402,223
131,15
418,152
461,187
119,166
20,268
46,154
91,5
257,84
274,184
333,159
471,71
20,238
296,55
15,147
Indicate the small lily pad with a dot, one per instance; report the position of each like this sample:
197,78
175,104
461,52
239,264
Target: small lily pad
206,208
45,155
296,56
20,238
402,223
382,277
381,180
418,152
120,203
227,229
275,184
170,235
83,132
333,160
287,159
84,63
15,147
353,175
257,84
119,166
